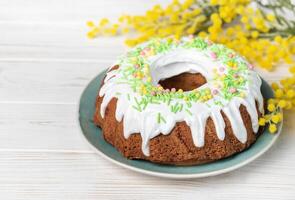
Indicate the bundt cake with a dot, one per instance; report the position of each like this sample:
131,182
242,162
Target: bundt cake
181,102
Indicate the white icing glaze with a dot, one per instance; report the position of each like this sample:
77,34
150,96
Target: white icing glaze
169,64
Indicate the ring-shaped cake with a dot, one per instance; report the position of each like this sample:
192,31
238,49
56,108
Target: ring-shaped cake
219,117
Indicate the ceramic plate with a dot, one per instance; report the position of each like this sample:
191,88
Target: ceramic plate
94,137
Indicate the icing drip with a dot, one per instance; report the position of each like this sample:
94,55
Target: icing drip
218,123
233,114
157,118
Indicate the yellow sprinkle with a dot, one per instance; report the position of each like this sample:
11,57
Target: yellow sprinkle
139,75
134,60
149,79
180,90
144,91
242,94
169,40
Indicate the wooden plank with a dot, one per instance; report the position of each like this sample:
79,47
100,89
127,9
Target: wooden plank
85,176
46,81
74,11
40,127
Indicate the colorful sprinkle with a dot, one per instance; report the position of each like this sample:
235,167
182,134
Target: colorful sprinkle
250,66
227,79
232,90
213,55
214,91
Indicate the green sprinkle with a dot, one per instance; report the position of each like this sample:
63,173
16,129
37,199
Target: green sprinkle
181,106
189,112
174,109
169,101
189,104
160,118
128,96
139,81
136,108
122,82
135,99
218,103
155,102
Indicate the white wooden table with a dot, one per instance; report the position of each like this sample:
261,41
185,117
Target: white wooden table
45,63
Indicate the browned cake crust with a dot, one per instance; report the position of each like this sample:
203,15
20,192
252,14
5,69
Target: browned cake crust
177,147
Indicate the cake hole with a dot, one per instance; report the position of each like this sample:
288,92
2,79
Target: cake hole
185,81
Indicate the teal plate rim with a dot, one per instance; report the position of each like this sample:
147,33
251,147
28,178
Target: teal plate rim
93,136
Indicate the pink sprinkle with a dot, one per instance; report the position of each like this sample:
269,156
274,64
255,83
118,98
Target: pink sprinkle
232,90
221,69
209,42
167,90
142,53
191,36
136,66
160,92
213,55
214,91
153,93
231,55
173,90
236,75
250,66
